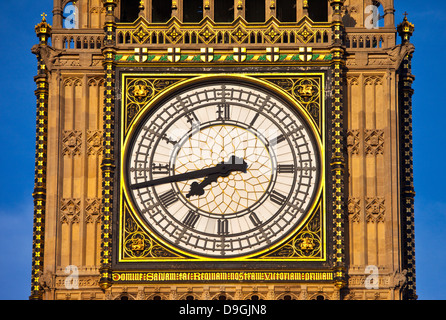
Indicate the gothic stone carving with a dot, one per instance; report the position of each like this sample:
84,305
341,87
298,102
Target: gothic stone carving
93,210
354,208
353,141
94,142
374,142
71,143
375,208
69,211
48,54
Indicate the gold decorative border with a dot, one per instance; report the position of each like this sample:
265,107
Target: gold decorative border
305,89
239,32
138,244
406,169
308,243
140,91
205,276
338,161
108,157
139,236
211,55
43,32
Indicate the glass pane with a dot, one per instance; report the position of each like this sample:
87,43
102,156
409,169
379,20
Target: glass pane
255,11
318,10
161,10
223,10
192,10
286,10
129,10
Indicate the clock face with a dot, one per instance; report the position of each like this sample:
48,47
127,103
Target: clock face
222,170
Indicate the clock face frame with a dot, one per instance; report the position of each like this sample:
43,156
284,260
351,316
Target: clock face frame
201,125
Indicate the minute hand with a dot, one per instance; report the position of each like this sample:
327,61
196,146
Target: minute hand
221,168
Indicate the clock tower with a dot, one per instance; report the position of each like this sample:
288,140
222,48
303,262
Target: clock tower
223,150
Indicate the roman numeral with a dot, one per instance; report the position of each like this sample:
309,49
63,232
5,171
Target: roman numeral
168,198
223,112
277,198
255,219
160,168
163,137
222,227
285,168
190,115
254,120
192,119
265,102
168,140
191,219
277,140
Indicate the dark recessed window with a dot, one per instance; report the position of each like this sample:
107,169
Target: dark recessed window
223,10
318,10
255,11
161,10
129,10
192,10
286,10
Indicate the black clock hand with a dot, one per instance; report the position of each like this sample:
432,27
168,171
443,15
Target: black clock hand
176,178
197,189
222,169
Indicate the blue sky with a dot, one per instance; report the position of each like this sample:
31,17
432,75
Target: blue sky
17,138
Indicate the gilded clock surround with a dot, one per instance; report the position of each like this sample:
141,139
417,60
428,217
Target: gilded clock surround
307,242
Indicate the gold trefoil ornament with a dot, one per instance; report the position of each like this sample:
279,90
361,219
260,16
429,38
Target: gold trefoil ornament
140,91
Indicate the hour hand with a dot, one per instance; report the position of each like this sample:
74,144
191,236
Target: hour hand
233,164
197,189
